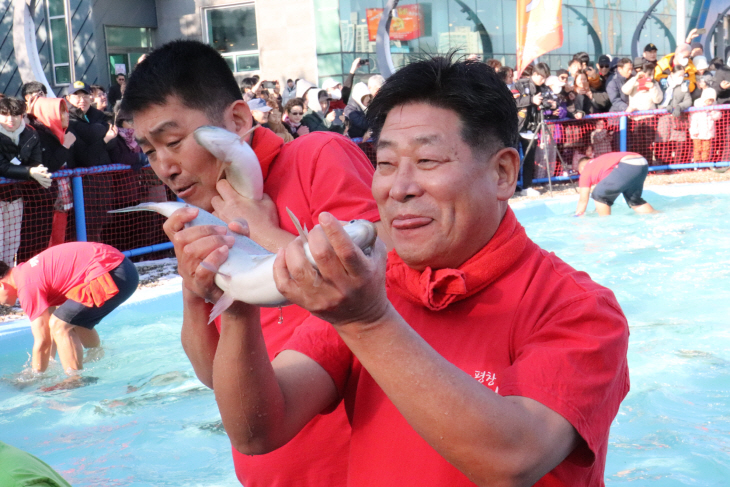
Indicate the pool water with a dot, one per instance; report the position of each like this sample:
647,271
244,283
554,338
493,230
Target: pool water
143,419
671,273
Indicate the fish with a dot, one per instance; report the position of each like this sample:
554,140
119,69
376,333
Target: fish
248,273
241,165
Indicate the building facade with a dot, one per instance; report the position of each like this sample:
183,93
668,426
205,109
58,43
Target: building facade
92,40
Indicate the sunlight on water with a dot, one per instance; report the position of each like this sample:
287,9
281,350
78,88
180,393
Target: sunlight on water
142,418
671,275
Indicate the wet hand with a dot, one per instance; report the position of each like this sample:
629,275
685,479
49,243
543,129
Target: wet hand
199,250
261,215
346,287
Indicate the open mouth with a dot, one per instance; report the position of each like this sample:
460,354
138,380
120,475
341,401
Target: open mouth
184,191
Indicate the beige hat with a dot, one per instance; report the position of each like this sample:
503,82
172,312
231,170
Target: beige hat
303,86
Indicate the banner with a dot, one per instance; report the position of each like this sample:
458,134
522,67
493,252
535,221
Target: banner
539,29
406,24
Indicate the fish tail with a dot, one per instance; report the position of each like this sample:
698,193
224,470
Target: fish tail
223,304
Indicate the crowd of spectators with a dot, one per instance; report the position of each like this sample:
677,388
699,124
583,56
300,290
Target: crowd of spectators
85,128
675,82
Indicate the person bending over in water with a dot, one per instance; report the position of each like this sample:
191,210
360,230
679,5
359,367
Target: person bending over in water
613,174
86,280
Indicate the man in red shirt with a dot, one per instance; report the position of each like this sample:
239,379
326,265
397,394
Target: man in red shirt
85,280
322,172
471,355
613,174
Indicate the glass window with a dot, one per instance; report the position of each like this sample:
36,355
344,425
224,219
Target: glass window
63,75
55,8
60,41
232,31
128,37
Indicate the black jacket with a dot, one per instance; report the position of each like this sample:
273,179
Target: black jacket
527,112
722,74
356,116
89,150
114,95
619,99
600,97
316,123
55,155
27,151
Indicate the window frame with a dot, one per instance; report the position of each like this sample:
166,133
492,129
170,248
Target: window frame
235,54
69,44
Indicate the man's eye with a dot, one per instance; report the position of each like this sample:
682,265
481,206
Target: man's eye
174,143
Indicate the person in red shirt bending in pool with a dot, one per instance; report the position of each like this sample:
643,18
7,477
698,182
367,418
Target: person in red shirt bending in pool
469,355
85,280
613,174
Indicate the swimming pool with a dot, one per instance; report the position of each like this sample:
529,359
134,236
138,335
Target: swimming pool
147,421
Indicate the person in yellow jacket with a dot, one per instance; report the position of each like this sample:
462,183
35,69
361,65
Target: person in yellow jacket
679,57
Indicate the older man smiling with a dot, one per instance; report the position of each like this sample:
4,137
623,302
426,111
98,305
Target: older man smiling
468,355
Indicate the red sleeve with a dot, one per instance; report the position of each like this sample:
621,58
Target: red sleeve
319,341
574,362
31,294
341,182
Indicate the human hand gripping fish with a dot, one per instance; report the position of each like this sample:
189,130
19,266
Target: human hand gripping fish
247,274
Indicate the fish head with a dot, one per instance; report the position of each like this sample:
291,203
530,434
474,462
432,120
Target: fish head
216,140
165,208
363,233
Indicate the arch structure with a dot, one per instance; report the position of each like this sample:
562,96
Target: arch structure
25,46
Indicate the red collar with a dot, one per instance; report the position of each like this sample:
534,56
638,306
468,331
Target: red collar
437,289
267,145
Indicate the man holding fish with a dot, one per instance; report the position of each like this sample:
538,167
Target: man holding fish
468,355
175,95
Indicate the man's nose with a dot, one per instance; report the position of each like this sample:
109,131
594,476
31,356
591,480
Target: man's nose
405,184
166,165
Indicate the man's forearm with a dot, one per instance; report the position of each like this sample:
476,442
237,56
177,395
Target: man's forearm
461,419
249,397
199,339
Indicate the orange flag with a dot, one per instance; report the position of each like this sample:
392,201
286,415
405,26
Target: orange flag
539,29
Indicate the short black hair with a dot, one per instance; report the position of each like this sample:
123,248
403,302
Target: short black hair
294,102
289,80
4,269
504,72
33,87
12,106
247,83
189,70
472,89
583,57
542,69
560,72
95,88
527,72
624,61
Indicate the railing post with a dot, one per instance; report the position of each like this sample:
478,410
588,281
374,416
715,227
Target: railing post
79,211
622,134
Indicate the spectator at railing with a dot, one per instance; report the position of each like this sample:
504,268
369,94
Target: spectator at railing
583,99
355,110
671,138
619,99
598,79
507,74
721,83
90,127
554,103
644,93
677,97
51,120
116,90
32,90
334,92
294,111
315,118
702,126
495,64
20,158
99,99
529,102
289,92
601,138
374,83
680,57
275,123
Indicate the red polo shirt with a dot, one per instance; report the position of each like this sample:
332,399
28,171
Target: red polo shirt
318,172
540,330
45,279
600,167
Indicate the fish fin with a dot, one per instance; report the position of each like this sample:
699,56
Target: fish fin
142,207
223,304
302,232
209,267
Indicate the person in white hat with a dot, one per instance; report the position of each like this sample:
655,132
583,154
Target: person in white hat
702,126
260,111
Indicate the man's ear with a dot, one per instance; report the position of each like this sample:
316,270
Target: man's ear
508,170
241,117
